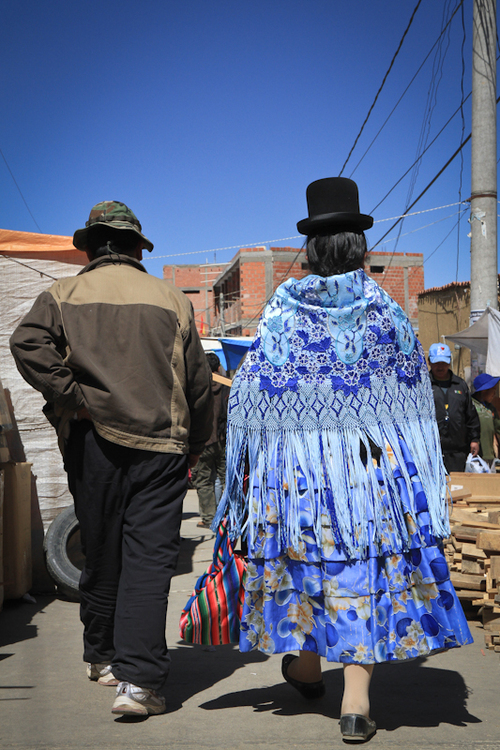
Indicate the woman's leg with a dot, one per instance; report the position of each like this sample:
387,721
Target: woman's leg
307,668
356,684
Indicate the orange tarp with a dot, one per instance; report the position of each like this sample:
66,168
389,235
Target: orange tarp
40,246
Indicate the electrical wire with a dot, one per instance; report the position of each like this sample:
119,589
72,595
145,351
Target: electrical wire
452,157
15,260
428,147
381,86
19,189
457,223
436,76
403,94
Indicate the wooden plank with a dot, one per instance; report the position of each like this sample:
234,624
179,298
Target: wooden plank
483,500
493,626
465,533
464,513
481,603
221,379
461,494
473,522
489,541
471,550
495,567
491,620
471,567
466,594
460,580
494,516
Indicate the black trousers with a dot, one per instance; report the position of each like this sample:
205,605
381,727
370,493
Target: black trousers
129,505
455,461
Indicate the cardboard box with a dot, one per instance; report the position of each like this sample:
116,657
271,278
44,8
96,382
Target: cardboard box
16,529
483,487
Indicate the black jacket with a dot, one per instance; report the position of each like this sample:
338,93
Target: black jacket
459,424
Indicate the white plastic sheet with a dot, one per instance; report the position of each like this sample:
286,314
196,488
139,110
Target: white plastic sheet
19,287
483,337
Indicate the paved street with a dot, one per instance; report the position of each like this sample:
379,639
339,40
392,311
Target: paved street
219,698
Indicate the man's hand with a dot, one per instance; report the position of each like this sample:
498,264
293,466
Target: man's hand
474,448
193,460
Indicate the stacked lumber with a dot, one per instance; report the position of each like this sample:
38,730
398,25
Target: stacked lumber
473,556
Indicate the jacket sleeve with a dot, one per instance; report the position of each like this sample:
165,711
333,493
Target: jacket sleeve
199,391
38,346
472,420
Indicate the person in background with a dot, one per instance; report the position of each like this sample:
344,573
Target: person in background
212,462
484,393
458,422
116,355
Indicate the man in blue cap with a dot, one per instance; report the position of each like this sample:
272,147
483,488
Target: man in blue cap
457,418
484,392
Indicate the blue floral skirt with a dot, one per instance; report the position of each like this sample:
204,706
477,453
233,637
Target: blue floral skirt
387,606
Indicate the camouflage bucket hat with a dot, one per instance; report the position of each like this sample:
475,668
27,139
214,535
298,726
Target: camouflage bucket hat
111,214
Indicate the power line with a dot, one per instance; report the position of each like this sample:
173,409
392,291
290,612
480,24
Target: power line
423,152
436,75
19,189
381,86
403,95
422,194
15,260
457,223
219,249
459,149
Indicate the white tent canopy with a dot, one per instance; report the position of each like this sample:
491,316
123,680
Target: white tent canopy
483,337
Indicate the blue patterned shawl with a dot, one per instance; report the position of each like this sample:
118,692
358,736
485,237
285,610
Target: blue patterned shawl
334,362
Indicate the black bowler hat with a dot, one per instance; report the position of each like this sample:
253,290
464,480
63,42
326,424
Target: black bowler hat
333,206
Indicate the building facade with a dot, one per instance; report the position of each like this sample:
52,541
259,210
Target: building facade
443,311
228,299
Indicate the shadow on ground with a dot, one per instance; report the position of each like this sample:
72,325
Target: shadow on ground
197,668
409,694
16,617
186,554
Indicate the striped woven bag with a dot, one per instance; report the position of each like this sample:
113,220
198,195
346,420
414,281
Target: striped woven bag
213,613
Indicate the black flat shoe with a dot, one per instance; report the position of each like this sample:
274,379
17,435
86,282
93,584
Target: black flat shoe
356,727
308,690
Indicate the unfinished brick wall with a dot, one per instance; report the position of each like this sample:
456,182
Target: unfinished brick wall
196,281
254,273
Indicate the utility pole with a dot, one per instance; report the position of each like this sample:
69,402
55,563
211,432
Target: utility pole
483,218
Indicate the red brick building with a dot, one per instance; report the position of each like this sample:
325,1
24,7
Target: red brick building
197,282
241,287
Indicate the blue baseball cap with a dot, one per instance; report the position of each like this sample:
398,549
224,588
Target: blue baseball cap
439,353
484,381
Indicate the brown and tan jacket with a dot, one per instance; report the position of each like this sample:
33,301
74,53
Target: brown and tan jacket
124,345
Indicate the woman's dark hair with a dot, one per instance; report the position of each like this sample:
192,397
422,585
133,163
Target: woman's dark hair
334,254
120,241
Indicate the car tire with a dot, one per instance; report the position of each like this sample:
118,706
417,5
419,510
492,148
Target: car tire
59,544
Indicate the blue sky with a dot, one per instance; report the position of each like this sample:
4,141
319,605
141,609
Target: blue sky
209,119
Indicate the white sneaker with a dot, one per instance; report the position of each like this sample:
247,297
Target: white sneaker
133,700
102,674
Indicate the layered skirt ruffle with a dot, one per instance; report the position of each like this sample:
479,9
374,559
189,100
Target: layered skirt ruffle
389,604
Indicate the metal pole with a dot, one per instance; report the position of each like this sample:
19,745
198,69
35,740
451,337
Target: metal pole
483,219
221,310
